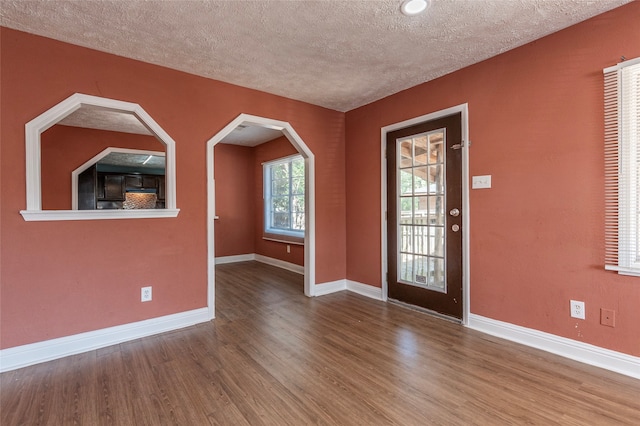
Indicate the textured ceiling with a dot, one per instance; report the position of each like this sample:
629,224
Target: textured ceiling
95,117
140,161
336,54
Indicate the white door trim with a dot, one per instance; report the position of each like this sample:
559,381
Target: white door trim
310,203
463,109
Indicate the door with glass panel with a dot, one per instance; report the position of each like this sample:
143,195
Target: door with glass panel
424,215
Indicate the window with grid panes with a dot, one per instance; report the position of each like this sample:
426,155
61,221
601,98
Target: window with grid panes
284,197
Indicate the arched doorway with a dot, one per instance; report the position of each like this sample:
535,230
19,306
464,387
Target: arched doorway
309,244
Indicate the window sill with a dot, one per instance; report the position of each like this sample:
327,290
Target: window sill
633,272
55,215
284,239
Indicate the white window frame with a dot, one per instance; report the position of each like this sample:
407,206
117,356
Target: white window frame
266,173
622,167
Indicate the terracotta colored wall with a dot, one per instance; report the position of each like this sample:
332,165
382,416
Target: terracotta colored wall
536,124
235,201
239,201
89,273
269,151
65,148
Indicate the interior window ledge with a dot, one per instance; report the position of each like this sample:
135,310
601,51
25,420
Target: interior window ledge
284,240
624,270
52,215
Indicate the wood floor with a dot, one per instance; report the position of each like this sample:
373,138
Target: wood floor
275,357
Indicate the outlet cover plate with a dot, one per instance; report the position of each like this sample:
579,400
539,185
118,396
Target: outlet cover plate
577,309
481,182
145,294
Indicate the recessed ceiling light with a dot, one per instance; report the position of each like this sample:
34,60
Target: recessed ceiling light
414,7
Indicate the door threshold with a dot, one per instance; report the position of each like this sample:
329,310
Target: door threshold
425,311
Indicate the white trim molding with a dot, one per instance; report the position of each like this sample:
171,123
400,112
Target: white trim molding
583,352
49,215
35,128
280,264
352,286
298,269
323,289
236,258
463,110
35,353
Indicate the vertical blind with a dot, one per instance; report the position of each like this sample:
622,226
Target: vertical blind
622,167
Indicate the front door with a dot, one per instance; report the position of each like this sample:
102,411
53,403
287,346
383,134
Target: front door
424,213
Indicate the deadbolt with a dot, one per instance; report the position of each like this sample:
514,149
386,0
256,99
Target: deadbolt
454,212
455,228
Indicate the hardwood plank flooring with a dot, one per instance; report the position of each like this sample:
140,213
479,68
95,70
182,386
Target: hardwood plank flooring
275,357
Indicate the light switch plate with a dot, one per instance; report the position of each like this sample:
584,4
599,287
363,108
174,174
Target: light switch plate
481,182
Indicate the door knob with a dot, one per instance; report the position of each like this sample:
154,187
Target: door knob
454,212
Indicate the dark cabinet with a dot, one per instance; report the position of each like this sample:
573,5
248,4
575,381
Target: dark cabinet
106,190
114,187
87,189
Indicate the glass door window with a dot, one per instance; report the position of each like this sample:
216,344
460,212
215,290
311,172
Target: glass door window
421,203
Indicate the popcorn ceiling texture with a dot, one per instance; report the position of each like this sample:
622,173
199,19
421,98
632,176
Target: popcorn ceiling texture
336,54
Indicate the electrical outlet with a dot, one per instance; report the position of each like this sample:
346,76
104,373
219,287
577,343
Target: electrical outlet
608,317
145,294
577,309
288,248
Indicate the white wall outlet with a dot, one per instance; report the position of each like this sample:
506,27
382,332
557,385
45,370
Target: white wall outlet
288,248
145,294
481,182
577,309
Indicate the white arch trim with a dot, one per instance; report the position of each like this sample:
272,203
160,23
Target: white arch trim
35,127
309,233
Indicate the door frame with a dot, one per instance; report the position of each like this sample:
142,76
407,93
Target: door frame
310,209
463,109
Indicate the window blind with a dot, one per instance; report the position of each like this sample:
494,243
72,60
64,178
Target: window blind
622,167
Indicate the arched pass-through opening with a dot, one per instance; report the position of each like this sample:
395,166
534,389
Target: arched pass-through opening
309,236
126,111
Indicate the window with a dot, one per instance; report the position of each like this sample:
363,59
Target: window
622,167
284,197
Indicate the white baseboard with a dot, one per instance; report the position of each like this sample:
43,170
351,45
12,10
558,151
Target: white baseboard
330,287
280,264
365,290
589,354
260,258
353,286
35,353
237,258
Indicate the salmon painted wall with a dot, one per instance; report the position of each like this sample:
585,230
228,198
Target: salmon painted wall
269,151
239,201
235,201
86,277
65,148
536,124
